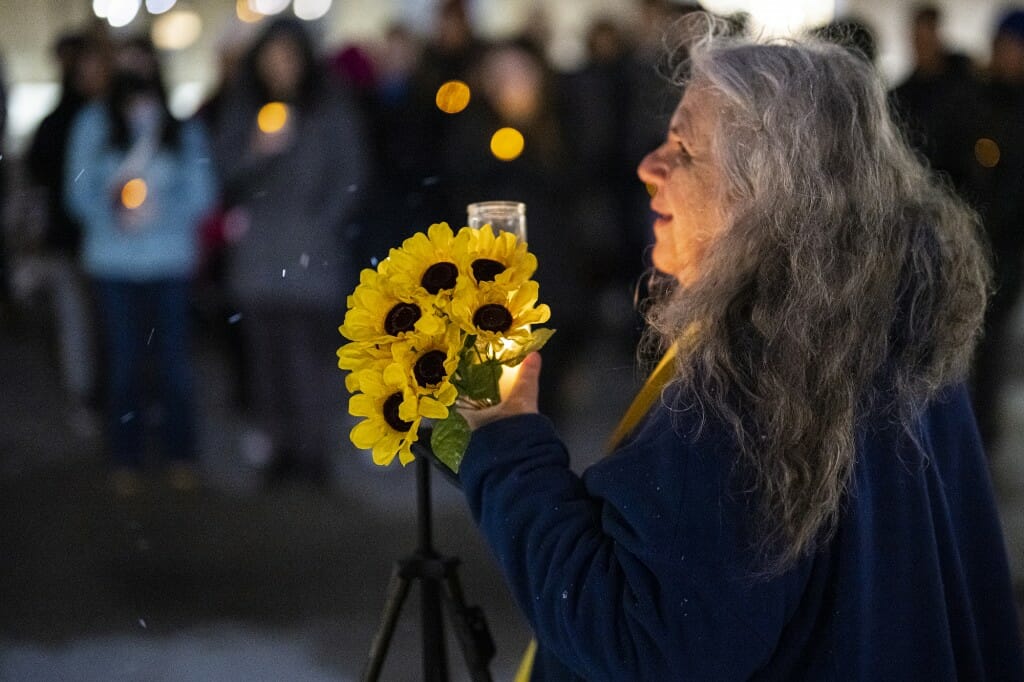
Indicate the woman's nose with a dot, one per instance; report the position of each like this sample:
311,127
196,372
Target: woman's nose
650,168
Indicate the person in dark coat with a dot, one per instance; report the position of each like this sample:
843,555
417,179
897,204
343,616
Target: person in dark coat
997,164
293,181
799,492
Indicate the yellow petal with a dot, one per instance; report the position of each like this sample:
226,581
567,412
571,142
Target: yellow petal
432,409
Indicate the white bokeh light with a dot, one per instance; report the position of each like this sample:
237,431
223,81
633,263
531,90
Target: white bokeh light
100,8
176,30
122,12
268,7
310,10
159,6
778,17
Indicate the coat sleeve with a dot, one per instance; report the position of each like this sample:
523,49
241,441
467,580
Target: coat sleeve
617,586
87,191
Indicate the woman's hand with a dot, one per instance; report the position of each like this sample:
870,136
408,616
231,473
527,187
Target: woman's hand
520,399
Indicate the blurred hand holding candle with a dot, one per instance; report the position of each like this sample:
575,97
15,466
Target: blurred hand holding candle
275,126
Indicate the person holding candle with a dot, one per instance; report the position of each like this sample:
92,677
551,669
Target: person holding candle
292,152
139,180
799,491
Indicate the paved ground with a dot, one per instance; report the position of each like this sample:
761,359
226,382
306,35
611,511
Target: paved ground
232,583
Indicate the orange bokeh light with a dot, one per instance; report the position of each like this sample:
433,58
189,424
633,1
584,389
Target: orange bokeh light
987,153
272,117
245,13
133,194
507,144
452,97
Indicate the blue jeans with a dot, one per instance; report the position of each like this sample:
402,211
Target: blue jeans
141,319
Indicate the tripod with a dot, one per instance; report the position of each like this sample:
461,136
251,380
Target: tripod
439,583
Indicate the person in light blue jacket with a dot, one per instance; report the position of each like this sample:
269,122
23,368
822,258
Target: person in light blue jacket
139,181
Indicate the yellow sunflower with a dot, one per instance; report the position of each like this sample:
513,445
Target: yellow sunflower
359,355
378,313
392,412
431,362
499,317
497,258
428,266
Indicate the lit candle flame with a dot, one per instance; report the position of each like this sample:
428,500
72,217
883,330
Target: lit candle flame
452,97
133,194
272,117
507,144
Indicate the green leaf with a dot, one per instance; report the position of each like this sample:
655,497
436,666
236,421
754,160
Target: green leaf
479,381
540,337
450,439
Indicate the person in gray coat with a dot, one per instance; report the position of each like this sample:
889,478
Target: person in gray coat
291,153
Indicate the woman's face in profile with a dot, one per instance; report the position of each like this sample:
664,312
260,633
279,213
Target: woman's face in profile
686,183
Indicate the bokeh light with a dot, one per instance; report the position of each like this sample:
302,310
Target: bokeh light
272,117
176,30
159,6
452,97
245,13
987,153
122,12
777,17
268,7
100,8
507,144
311,10
652,189
133,194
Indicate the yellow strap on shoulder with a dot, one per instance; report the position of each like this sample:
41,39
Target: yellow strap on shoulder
526,665
640,406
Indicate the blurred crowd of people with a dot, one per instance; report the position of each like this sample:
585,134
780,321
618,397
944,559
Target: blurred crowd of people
255,227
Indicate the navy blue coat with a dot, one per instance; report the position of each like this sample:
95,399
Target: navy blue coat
641,569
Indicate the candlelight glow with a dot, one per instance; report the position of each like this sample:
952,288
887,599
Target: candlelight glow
272,117
133,194
987,153
452,97
507,144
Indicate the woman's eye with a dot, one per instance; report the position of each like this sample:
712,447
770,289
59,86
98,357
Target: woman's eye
682,151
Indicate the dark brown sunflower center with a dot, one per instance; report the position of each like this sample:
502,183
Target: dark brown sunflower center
493,318
429,369
401,318
390,410
485,269
439,277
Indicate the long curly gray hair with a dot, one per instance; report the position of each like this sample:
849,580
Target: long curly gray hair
850,280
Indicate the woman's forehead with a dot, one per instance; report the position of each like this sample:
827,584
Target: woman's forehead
692,117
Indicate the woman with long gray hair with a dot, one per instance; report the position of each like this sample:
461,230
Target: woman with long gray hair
799,491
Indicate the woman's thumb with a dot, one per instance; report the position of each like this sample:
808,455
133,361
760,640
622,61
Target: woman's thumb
524,392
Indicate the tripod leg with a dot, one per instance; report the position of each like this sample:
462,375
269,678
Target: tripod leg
470,628
398,589
435,659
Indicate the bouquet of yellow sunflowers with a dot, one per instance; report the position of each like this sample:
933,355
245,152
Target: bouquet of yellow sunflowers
431,329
